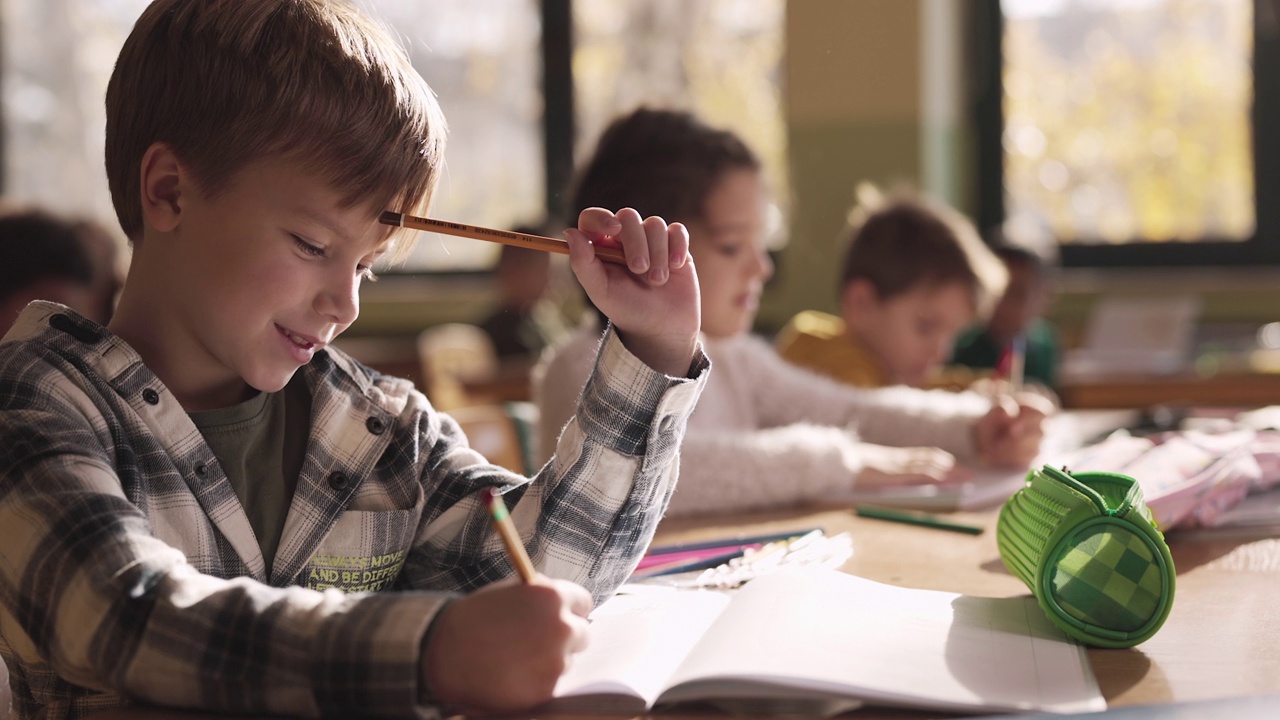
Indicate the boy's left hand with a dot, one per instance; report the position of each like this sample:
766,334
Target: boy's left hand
1009,435
653,300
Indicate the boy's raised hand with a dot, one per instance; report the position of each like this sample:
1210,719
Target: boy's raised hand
653,300
503,647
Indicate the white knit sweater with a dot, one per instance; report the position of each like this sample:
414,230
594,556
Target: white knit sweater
766,433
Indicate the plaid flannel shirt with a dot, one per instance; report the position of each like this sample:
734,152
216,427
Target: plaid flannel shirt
128,569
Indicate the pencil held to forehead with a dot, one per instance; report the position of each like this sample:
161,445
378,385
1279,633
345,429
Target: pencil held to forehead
506,237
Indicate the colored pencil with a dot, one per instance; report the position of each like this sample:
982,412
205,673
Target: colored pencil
727,542
506,237
507,531
922,519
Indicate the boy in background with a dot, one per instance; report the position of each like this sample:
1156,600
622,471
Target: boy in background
1018,317
46,257
203,505
915,274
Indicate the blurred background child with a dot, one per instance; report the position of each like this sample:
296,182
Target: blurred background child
1018,316
915,275
47,257
764,433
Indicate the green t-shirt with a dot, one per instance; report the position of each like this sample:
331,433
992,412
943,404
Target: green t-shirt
261,444
975,349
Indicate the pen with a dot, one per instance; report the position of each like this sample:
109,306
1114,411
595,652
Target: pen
727,542
506,237
921,519
507,530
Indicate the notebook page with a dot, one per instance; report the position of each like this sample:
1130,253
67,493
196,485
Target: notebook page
637,640
838,634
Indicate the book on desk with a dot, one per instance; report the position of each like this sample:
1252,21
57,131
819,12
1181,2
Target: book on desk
827,638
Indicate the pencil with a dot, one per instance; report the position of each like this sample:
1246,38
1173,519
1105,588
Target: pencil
1017,363
502,523
932,521
506,237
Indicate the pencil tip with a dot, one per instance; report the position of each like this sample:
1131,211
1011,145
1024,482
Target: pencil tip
391,218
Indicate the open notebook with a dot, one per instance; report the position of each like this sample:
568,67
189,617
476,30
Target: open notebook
829,637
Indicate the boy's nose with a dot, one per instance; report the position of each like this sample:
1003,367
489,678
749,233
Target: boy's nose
764,265
340,303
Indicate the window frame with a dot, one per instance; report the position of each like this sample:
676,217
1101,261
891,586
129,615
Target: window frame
987,116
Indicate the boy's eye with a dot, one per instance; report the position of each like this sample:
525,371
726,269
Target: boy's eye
307,247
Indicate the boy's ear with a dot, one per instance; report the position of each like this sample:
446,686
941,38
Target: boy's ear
163,181
857,298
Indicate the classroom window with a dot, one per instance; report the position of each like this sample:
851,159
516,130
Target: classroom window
1125,128
721,59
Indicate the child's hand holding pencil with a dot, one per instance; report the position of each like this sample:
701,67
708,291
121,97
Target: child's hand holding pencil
503,647
637,271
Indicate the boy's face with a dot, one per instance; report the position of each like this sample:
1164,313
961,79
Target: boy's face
911,333
728,250
1024,300
263,275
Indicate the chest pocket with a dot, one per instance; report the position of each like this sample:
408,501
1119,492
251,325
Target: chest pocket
364,551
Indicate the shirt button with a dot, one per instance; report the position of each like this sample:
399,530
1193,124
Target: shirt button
664,426
151,396
339,481
376,425
202,470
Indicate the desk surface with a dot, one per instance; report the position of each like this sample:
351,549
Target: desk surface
1139,391
1222,638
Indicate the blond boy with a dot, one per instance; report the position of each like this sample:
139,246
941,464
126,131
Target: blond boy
202,505
915,274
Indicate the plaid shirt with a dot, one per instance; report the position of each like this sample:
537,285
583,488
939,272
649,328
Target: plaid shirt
128,569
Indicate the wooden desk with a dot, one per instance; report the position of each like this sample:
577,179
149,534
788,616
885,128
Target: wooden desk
1140,391
1222,638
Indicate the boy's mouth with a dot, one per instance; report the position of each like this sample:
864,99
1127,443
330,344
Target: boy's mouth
302,341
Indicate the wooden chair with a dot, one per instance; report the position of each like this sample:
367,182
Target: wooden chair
453,356
502,433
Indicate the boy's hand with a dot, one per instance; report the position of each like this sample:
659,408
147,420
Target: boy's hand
1009,435
884,466
653,300
503,647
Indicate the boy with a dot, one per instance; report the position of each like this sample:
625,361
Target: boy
914,276
43,256
1018,315
186,494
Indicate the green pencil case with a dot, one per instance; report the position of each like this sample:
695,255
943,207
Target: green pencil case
1085,544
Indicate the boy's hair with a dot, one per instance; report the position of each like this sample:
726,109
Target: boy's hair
660,162
227,82
1019,241
904,242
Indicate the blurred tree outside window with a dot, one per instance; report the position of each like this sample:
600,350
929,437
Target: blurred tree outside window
720,59
1129,120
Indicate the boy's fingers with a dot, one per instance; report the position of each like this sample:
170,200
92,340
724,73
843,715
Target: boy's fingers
635,243
599,221
582,258
677,245
655,231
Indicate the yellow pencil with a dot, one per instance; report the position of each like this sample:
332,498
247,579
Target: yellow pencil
506,237
510,538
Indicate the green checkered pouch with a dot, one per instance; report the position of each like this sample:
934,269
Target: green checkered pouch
1086,546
